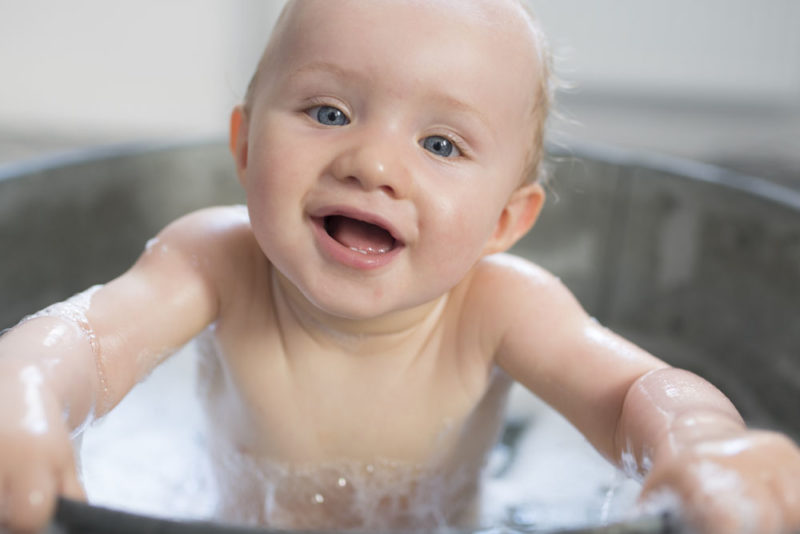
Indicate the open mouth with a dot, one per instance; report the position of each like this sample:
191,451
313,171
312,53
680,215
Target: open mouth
359,236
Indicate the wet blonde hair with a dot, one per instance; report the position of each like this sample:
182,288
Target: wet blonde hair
534,170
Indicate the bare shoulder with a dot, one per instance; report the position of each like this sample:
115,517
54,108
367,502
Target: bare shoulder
507,294
208,225
515,284
215,245
513,268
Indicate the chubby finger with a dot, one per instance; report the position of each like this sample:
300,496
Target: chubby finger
71,486
30,501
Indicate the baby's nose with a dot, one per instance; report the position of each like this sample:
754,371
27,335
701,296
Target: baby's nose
374,165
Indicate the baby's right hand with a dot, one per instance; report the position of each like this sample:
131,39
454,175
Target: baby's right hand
36,455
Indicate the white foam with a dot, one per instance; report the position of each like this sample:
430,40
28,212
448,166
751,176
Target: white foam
150,456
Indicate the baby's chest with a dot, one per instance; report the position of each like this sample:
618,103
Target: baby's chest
309,406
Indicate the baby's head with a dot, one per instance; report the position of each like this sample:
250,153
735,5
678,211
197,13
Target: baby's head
541,92
387,145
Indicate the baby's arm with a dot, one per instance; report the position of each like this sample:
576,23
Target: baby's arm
76,360
668,425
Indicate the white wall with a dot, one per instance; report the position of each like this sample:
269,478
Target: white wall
711,80
136,68
103,70
734,50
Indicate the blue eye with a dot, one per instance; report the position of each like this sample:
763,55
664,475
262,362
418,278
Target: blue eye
329,116
441,146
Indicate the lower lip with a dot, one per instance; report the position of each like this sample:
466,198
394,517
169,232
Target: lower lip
346,256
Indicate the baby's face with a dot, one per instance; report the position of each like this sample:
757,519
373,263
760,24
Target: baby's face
384,140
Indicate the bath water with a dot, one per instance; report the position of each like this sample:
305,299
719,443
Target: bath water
149,456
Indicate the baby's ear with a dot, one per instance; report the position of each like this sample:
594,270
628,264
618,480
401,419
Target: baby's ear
519,215
237,141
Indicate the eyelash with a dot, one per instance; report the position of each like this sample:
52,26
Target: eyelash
318,102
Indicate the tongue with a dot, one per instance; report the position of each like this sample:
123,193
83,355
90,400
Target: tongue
360,236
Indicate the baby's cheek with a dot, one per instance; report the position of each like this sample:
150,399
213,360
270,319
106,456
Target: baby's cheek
457,247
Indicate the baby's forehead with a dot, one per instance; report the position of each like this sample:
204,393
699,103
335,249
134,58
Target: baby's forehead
501,30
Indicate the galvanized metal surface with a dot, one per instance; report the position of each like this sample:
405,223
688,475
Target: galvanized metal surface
699,266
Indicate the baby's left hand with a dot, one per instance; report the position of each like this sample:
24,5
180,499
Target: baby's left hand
745,483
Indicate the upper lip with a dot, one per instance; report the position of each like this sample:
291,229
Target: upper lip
361,215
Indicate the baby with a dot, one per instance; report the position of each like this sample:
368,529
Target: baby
362,320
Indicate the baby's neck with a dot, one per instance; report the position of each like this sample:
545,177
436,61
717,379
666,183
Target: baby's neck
355,336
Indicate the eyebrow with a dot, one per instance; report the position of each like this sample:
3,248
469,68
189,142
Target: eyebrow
326,67
441,98
459,106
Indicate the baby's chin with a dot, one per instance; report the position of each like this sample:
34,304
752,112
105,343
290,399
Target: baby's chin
358,312
359,304
362,314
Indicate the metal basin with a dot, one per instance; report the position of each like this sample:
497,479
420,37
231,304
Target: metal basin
698,265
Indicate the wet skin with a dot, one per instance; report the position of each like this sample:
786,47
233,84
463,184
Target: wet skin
363,309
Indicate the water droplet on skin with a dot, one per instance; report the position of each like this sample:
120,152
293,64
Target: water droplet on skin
35,498
319,498
35,419
55,335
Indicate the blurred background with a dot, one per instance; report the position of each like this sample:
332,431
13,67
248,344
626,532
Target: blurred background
715,81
